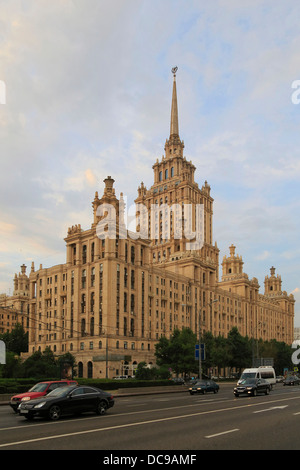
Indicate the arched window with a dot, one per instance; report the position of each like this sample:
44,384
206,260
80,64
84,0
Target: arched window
160,176
80,369
172,171
90,370
166,174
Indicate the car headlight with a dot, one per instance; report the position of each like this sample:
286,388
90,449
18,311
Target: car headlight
39,405
25,398
249,388
199,388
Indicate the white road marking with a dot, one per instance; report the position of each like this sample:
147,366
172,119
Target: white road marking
109,428
270,409
221,433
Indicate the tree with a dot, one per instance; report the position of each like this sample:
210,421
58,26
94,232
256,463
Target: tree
220,355
41,365
239,349
17,340
178,352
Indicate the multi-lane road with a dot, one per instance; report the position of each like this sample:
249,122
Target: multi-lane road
172,421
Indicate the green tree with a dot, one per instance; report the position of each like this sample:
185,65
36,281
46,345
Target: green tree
178,352
17,340
220,354
41,365
239,350
12,368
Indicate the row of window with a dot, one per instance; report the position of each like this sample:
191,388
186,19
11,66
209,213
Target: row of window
166,174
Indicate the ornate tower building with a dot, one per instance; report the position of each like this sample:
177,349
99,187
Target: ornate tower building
119,291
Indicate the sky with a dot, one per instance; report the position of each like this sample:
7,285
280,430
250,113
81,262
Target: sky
86,90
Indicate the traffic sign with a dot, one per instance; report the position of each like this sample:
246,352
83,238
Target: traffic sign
202,351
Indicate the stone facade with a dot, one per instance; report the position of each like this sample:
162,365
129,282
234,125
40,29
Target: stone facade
15,308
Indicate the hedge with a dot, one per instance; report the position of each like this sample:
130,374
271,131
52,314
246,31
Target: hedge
23,385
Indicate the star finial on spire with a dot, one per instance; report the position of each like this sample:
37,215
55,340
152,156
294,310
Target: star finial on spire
174,70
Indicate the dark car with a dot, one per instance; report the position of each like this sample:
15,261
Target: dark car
291,380
204,386
66,401
252,387
38,390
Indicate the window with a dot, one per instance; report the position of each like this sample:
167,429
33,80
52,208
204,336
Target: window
93,277
160,176
172,171
83,279
83,303
166,174
84,254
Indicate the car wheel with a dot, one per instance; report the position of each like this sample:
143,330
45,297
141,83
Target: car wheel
254,393
101,408
191,393
54,412
236,394
29,417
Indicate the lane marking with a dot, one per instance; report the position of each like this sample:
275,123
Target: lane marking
129,425
128,413
271,409
221,433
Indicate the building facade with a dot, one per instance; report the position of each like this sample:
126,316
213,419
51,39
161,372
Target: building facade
15,308
120,291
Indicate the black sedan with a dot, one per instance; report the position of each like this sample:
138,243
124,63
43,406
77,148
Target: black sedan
66,401
291,380
204,386
252,387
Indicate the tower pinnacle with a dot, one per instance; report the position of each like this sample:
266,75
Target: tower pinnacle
174,127
174,146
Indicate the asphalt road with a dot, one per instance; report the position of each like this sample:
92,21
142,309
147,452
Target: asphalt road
174,422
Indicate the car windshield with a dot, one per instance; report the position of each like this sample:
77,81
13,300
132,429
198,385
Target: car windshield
59,392
41,387
248,375
201,383
248,381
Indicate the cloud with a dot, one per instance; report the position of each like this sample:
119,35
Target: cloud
84,100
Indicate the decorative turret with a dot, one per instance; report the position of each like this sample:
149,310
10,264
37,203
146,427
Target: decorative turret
232,265
273,283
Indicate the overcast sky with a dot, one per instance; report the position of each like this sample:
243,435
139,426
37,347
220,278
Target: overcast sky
88,94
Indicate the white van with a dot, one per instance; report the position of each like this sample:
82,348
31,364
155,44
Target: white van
262,372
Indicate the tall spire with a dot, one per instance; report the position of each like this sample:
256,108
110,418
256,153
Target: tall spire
174,146
174,127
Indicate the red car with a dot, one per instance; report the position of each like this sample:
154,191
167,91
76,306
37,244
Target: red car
38,390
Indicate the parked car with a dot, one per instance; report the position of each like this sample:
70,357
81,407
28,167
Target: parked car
66,401
38,390
252,387
292,380
204,386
